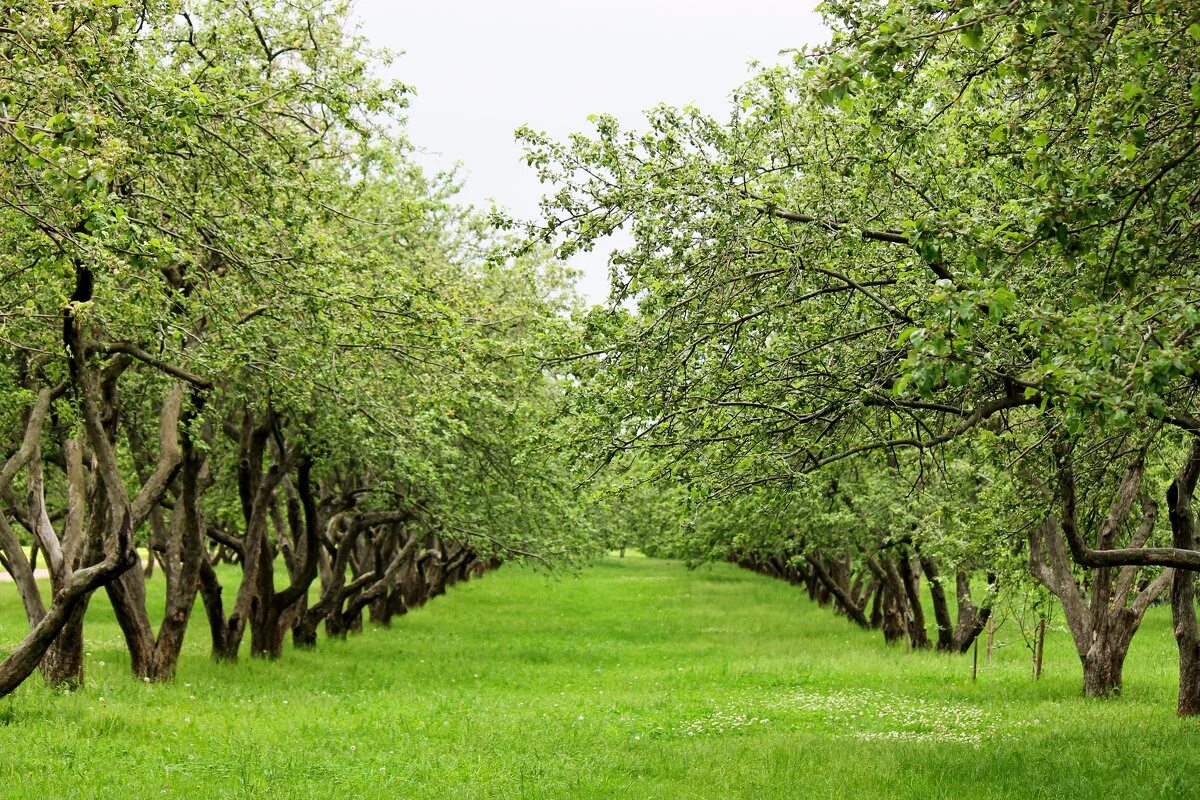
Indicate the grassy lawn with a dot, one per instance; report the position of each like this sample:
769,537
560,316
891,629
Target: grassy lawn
637,679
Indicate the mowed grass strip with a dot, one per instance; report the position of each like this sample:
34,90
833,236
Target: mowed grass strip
636,679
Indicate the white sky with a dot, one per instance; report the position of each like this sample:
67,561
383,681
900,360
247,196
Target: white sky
483,68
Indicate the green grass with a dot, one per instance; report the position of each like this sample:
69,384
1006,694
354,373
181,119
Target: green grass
638,679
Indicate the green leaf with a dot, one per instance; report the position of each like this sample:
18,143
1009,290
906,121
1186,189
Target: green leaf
972,36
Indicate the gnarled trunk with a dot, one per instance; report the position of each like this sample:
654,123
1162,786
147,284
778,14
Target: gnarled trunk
1103,628
181,547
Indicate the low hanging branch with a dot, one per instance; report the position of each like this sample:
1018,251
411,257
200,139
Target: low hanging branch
1127,492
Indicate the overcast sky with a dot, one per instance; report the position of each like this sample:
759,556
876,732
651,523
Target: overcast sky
483,68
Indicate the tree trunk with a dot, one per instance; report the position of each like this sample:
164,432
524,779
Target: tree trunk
917,634
851,608
894,629
895,620
379,611
396,607
876,618
971,619
267,633
185,559
1183,585
1102,629
62,665
304,632
1183,608
335,625
1102,671
128,597
273,612
941,609
214,610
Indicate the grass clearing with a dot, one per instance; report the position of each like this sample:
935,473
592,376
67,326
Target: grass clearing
637,679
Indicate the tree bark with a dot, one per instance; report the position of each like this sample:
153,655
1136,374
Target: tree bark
1183,587
941,609
917,634
852,609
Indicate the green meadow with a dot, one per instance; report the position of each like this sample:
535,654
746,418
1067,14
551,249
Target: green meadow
635,678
